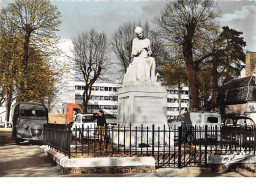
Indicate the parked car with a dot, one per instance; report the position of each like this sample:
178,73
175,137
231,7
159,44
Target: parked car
193,126
84,127
238,129
5,125
28,120
2,124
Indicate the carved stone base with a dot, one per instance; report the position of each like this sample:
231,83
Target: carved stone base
142,107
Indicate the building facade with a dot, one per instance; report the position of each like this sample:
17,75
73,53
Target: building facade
173,101
105,97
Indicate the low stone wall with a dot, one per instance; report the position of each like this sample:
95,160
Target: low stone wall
103,165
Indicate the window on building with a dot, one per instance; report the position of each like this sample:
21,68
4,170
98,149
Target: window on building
115,98
101,88
78,97
101,98
106,98
96,88
114,89
93,88
106,88
110,88
96,107
78,87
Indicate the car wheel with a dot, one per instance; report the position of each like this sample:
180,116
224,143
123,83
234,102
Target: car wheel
17,141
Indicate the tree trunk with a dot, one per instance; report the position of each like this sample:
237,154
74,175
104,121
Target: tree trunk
8,105
23,83
179,90
193,87
192,79
85,100
191,67
213,101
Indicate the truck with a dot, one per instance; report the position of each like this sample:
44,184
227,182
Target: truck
84,127
193,126
69,112
28,120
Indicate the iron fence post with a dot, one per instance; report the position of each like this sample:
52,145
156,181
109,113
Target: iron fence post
179,147
69,140
130,140
206,127
153,139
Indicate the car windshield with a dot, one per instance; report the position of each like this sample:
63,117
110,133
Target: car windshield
212,119
32,113
245,122
87,119
229,122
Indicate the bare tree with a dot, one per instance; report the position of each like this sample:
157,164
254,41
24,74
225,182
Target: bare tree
91,56
122,44
189,27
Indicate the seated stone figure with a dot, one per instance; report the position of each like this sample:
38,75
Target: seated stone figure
142,68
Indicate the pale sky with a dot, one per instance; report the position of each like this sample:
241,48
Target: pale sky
81,15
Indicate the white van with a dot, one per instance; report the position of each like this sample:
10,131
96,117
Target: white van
193,125
84,127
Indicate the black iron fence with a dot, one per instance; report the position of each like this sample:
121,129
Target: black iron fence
58,136
171,147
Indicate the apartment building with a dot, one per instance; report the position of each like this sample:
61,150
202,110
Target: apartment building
173,101
105,97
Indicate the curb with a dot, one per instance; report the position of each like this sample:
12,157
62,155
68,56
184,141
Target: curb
183,171
101,164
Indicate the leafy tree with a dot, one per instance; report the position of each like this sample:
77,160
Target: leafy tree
188,27
27,43
91,56
36,21
227,61
10,59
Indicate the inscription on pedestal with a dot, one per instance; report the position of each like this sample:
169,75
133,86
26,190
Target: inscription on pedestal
147,108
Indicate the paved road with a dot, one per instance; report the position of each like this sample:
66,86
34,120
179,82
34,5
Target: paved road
25,160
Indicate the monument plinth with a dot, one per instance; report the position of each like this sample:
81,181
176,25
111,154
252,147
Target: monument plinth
142,105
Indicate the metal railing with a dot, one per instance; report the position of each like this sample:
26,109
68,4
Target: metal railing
177,147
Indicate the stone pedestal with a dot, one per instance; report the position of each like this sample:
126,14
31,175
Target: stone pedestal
140,107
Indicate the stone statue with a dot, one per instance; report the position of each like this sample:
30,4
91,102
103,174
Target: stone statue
142,69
